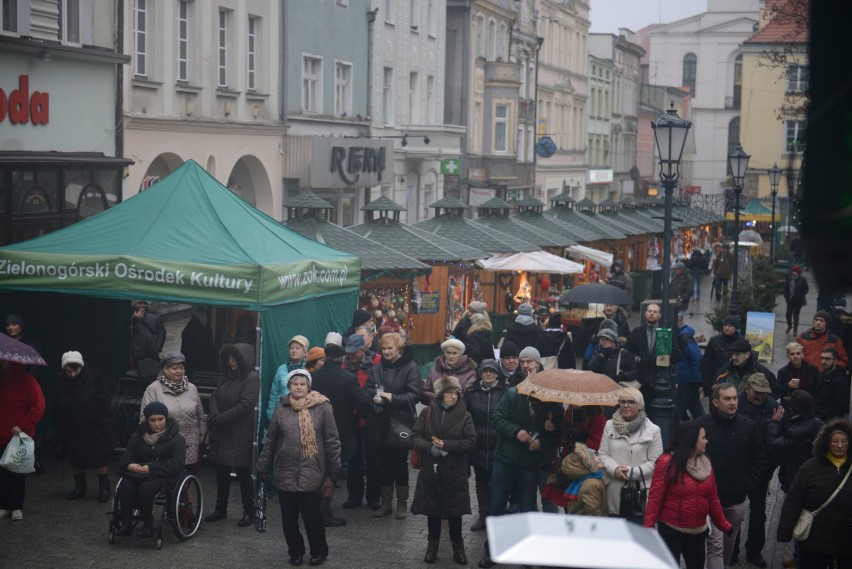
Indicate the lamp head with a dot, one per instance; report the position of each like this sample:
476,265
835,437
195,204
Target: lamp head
739,165
670,132
774,177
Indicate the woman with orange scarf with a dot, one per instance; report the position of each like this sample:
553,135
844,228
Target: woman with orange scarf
303,445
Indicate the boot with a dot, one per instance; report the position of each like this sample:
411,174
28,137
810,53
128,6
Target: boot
401,502
103,482
79,487
796,324
386,508
482,496
432,551
458,553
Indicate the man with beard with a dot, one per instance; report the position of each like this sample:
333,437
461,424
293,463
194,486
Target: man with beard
718,352
815,339
617,277
832,390
510,371
618,315
742,366
642,343
680,287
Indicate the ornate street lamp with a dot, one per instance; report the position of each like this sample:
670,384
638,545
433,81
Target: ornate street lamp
670,136
791,194
774,179
738,161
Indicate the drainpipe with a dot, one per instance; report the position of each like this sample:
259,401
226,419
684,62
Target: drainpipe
119,81
539,41
464,196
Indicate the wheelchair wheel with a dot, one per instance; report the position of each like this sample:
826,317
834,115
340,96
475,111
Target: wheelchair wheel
159,540
115,519
187,507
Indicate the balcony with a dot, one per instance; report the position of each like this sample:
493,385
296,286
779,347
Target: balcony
502,73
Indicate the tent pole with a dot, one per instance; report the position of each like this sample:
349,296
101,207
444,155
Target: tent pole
258,353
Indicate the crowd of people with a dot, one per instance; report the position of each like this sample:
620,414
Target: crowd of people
355,413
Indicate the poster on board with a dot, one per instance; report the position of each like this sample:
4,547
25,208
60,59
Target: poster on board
760,332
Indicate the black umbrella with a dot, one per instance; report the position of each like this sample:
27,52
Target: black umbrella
12,350
596,293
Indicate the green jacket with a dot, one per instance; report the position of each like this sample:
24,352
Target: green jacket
516,412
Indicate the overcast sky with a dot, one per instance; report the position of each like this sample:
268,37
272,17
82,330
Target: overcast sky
609,15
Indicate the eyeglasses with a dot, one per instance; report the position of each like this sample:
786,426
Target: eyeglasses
626,403
823,358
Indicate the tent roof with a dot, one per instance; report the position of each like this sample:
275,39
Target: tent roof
415,242
534,261
477,235
374,256
308,199
495,203
555,227
383,204
527,232
187,238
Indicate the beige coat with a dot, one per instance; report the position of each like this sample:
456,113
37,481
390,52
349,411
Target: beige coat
186,409
640,450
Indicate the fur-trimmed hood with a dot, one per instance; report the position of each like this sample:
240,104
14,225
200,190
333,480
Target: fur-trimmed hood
824,435
242,353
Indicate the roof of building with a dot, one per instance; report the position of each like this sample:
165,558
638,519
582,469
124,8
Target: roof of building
482,237
415,242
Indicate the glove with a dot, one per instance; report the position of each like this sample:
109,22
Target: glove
261,477
437,453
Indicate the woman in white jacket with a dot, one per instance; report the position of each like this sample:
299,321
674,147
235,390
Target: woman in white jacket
630,446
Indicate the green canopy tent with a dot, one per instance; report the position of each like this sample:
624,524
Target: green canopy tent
190,239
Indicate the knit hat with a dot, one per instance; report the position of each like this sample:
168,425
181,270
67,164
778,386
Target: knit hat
295,372
156,408
740,345
333,338
489,363
824,314
607,324
301,340
731,321
354,343
315,354
796,269
759,383
608,334
172,358
678,265
73,358
360,317
531,353
453,343
477,306
335,351
525,310
15,319
509,350
554,320
447,383
802,403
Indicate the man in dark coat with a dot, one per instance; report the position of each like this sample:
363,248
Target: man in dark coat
718,352
738,457
618,315
832,390
345,395
642,342
742,366
360,318
797,374
795,293
619,364
147,333
524,331
680,287
555,342
510,371
789,441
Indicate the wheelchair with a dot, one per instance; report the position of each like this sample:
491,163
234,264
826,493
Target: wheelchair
181,505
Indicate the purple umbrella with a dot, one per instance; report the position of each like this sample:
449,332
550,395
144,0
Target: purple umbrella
12,350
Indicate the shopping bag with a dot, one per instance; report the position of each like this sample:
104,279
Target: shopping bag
19,456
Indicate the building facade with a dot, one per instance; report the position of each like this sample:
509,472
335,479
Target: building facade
703,53
599,107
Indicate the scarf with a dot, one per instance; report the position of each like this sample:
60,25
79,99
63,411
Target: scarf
153,438
178,388
837,462
291,365
307,434
626,428
573,488
699,467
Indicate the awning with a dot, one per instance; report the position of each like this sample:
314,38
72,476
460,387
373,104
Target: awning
534,261
593,255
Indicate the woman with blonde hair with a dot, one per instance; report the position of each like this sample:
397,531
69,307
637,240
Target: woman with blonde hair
630,446
479,345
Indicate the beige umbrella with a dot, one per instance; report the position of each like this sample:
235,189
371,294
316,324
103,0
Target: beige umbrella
571,386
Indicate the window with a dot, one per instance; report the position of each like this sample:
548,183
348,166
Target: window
733,138
414,16
491,40
183,41
413,99
795,136
500,50
140,38
738,81
690,63
501,128
223,48
69,20
311,83
432,16
480,37
430,100
251,64
797,79
390,11
387,95
342,88
9,16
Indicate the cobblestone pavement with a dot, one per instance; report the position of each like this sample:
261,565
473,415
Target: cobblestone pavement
58,533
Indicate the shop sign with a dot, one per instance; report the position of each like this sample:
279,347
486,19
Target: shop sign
477,174
450,166
600,176
343,162
430,302
21,108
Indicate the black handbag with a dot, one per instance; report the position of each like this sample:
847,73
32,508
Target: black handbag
398,434
633,497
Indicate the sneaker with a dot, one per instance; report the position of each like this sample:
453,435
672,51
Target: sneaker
17,515
5,514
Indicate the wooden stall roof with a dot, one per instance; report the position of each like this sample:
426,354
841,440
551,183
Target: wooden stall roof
415,242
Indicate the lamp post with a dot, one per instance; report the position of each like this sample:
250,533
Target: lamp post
670,136
738,161
791,193
774,179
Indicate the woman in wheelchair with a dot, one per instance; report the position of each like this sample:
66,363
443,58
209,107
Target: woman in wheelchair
154,459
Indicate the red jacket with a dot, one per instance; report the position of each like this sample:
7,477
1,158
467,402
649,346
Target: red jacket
814,343
21,402
684,504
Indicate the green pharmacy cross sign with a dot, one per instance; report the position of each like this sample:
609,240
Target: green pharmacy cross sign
450,166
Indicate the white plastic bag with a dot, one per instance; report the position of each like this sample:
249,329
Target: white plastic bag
19,455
